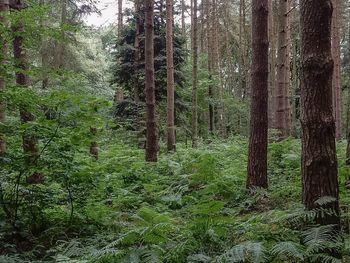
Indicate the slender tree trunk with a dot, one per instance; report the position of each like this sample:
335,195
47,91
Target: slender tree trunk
30,142
194,76
120,17
257,158
151,136
4,7
348,127
60,57
272,66
94,145
319,161
171,143
183,23
336,81
210,47
283,116
137,53
348,130
44,52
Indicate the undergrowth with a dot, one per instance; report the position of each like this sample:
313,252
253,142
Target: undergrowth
191,206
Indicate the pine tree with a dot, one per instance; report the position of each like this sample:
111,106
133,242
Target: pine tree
171,143
151,136
194,75
319,162
257,157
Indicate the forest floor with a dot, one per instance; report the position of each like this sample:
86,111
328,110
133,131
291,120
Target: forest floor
191,206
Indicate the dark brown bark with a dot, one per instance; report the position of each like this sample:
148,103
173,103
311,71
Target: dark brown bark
257,158
194,75
94,145
319,161
4,7
210,54
171,143
151,136
30,142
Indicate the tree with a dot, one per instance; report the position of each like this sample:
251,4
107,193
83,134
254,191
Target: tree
136,64
171,143
336,80
151,136
30,142
120,16
194,75
4,7
257,157
319,162
272,66
283,115
348,130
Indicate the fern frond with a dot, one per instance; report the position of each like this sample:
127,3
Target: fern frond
288,249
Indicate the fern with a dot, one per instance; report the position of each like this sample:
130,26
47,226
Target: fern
288,249
248,251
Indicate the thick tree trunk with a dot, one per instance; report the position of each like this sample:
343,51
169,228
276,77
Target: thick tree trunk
137,53
4,7
257,158
319,161
61,50
194,76
283,115
44,52
171,143
30,142
151,136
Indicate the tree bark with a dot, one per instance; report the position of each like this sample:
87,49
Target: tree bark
283,115
257,157
94,145
319,161
348,130
194,76
151,136
171,143
137,53
4,8
336,80
210,51
120,17
30,142
272,67
183,23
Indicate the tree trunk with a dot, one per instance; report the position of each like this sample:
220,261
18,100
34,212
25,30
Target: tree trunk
94,145
319,161
257,158
151,136
44,52
30,142
183,23
336,81
120,17
194,76
171,143
272,67
283,115
60,56
210,47
348,130
4,7
137,53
